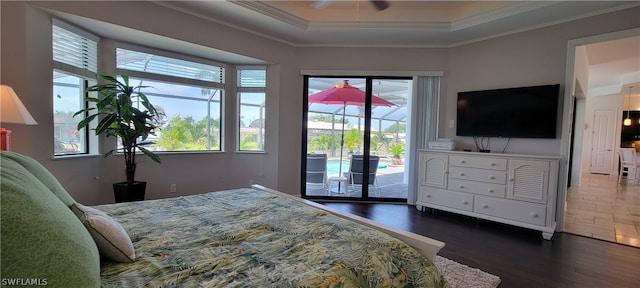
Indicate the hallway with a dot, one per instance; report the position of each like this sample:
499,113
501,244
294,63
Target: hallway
602,209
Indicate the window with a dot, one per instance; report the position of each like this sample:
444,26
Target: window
68,91
251,95
188,94
75,65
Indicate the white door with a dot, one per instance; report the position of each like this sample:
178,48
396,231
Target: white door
602,149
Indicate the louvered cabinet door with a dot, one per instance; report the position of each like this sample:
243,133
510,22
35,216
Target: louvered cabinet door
528,180
433,170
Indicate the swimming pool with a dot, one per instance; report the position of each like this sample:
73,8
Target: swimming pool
333,166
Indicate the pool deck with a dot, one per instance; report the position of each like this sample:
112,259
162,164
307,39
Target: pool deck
390,181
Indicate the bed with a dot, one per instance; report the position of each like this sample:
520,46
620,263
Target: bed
248,237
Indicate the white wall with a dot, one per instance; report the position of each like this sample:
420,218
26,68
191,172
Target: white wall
26,66
581,74
523,59
526,58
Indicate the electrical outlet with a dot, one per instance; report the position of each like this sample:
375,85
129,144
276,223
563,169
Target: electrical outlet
452,124
173,188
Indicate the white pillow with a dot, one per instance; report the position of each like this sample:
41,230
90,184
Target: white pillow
112,240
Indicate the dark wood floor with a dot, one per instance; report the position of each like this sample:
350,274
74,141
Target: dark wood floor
520,257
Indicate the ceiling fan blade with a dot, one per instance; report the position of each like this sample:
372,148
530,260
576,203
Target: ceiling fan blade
380,5
319,4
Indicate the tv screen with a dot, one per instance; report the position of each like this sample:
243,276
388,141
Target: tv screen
524,112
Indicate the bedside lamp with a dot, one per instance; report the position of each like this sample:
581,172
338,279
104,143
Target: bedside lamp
11,111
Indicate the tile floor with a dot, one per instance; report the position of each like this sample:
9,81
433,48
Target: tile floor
603,209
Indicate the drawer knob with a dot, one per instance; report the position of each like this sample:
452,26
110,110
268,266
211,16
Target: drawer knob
461,174
461,186
492,177
465,202
534,214
493,164
485,206
462,161
428,195
491,191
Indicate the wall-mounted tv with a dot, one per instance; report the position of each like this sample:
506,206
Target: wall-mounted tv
523,112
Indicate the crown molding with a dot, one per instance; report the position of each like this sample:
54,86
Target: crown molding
485,17
499,13
339,25
275,13
297,26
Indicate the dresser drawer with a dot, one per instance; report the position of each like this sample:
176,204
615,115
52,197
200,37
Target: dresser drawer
489,189
474,174
478,162
458,200
512,210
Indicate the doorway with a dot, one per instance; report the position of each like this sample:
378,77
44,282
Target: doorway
594,62
593,162
356,130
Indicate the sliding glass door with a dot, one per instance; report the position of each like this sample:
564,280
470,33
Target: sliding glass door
354,137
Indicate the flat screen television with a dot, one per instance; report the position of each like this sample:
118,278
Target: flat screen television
523,112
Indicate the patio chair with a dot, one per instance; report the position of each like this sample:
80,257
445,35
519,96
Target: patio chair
356,171
629,164
317,169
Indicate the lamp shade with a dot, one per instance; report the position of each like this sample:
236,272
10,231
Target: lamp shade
11,108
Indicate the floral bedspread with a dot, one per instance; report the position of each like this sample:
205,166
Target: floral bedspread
252,238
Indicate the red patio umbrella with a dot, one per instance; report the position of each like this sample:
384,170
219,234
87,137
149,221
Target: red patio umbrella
345,94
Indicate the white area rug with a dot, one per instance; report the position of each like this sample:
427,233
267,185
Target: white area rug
463,276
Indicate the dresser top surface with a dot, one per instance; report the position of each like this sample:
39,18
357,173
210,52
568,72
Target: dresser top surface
482,154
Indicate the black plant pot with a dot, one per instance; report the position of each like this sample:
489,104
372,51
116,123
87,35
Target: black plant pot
125,192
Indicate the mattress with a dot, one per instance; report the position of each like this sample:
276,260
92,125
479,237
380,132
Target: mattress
253,238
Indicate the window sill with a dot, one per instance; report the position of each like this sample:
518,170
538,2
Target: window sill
250,152
74,156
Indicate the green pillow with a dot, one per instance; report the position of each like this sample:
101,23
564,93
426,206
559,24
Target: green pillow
41,238
42,174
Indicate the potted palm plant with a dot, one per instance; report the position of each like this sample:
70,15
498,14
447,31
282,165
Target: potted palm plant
126,113
396,150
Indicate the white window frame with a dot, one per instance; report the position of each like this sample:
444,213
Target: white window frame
85,68
180,80
251,89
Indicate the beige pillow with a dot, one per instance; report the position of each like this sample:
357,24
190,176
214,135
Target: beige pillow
112,240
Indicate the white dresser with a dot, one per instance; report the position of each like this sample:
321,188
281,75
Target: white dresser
518,190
